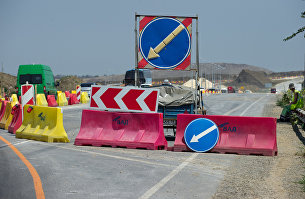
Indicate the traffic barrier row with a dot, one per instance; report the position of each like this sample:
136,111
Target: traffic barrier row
84,99
238,135
17,119
52,101
62,100
42,124
122,129
6,114
41,100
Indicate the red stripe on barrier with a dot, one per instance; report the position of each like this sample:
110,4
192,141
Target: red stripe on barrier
118,129
130,99
186,63
150,102
108,98
239,135
144,22
187,21
142,63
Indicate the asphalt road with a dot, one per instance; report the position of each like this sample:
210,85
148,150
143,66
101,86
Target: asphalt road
69,171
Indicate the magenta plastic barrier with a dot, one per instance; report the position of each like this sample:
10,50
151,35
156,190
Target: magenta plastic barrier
51,101
73,99
117,129
67,94
238,135
16,121
3,106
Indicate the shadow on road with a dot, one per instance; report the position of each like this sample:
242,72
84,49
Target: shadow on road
298,133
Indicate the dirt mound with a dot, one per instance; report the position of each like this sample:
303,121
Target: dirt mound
252,79
68,83
8,82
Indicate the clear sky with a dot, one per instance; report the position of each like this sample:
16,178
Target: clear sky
96,37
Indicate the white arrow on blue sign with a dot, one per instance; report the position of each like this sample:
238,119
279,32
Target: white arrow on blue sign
201,135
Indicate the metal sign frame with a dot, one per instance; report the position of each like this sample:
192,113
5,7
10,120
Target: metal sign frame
197,51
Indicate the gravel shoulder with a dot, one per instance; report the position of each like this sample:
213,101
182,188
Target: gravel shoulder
269,177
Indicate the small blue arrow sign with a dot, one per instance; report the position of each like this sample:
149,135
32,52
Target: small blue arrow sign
201,135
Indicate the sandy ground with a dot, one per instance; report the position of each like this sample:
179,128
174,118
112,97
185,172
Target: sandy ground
269,177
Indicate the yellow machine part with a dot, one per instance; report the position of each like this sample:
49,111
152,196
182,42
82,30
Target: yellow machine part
62,100
84,98
41,100
42,124
7,117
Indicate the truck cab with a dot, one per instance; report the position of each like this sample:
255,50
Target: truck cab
145,78
37,74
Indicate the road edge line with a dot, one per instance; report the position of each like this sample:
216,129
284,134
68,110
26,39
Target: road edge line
36,179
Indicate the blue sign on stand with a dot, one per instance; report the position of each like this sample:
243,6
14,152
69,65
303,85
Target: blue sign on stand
165,43
201,135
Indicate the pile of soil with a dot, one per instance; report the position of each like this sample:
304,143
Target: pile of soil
8,83
251,80
68,83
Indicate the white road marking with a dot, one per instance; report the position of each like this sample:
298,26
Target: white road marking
251,106
172,174
15,144
234,109
167,178
110,156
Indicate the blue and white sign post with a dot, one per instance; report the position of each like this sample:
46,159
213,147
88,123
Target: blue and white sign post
165,43
201,135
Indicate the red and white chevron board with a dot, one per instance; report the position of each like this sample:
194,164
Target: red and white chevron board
78,92
125,99
142,63
27,94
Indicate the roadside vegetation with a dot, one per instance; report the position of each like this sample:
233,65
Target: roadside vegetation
282,101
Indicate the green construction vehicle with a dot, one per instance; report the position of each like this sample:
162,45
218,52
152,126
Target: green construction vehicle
37,74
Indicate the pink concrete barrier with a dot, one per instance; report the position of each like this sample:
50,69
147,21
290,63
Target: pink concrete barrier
117,129
17,119
3,106
238,135
51,101
73,99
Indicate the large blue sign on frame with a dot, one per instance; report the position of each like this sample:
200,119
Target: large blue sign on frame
201,135
165,43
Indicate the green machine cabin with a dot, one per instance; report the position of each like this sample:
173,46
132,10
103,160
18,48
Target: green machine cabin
37,74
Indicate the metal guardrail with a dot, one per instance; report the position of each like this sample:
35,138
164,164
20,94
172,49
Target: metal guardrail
301,114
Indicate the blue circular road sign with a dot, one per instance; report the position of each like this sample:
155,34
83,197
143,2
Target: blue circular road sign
201,135
165,43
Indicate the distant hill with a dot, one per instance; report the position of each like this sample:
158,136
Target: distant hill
8,83
251,80
228,71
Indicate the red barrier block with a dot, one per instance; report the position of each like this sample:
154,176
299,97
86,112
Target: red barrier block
67,94
238,135
17,119
3,106
117,129
51,101
73,99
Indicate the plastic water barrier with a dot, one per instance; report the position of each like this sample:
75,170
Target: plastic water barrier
118,129
238,135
